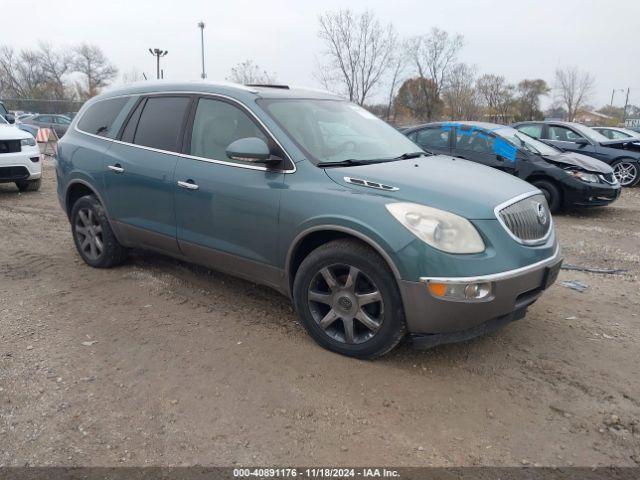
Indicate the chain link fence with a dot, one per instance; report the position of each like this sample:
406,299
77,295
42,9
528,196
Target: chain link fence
35,105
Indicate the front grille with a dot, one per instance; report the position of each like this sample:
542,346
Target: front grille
527,220
13,173
9,146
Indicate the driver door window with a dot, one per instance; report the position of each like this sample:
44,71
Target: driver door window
434,139
216,125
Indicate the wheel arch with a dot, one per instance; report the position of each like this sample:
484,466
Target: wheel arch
78,188
311,238
535,177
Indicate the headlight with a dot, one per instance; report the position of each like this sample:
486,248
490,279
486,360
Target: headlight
28,142
584,176
442,230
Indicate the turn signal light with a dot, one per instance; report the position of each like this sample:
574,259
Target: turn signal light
460,291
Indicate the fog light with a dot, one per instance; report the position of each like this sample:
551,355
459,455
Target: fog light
460,291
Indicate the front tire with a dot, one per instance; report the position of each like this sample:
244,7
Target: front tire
627,172
29,185
92,234
551,193
348,300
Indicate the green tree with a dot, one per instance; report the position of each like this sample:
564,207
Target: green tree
418,98
528,99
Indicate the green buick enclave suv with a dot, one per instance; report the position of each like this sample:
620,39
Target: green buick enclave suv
315,197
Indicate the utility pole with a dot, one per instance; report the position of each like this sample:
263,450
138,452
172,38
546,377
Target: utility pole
201,27
613,92
626,104
157,52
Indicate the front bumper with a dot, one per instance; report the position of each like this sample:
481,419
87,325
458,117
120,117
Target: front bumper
512,293
581,194
24,165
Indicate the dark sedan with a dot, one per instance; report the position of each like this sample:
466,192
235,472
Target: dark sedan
59,123
622,155
566,179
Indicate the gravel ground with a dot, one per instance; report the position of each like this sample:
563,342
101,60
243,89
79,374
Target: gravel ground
159,362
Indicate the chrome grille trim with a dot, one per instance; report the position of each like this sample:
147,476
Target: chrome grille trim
521,222
367,183
609,178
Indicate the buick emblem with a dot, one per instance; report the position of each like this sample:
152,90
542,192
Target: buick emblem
345,303
541,212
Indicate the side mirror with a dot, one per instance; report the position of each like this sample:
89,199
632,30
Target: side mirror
581,141
10,117
251,149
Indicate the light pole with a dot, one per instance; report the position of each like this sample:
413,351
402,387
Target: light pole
613,92
201,27
157,52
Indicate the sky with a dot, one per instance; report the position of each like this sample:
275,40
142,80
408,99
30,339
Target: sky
516,39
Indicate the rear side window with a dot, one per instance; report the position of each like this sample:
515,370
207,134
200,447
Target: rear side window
99,117
434,137
562,134
534,131
161,122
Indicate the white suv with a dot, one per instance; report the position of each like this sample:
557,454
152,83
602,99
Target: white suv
19,158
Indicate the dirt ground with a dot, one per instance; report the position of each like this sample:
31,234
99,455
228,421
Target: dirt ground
159,362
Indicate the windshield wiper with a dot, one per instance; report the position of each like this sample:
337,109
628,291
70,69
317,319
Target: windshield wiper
350,162
407,156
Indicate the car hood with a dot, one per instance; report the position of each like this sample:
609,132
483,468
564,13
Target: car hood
459,186
584,162
627,144
9,132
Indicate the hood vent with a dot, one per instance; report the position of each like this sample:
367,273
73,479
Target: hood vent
367,183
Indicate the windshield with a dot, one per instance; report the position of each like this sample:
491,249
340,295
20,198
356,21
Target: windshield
334,130
522,140
2,120
590,133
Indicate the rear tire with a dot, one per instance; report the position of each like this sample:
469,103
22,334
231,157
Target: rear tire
358,311
92,234
551,193
29,185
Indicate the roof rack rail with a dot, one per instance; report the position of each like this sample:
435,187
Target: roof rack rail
267,85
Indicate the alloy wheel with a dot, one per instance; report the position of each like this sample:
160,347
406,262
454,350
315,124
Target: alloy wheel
346,304
89,234
626,173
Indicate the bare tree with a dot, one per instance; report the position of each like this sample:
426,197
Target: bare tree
21,74
97,70
497,95
359,50
398,66
55,66
132,76
459,93
248,72
434,55
574,89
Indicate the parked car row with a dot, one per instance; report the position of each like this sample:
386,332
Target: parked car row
31,122
622,155
566,178
19,158
374,234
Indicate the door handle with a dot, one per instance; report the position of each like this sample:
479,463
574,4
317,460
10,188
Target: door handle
189,185
116,168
